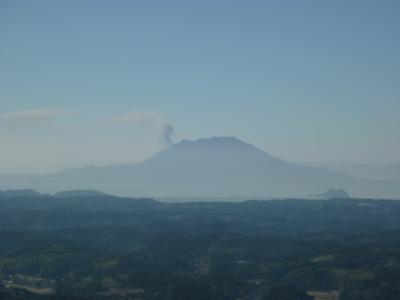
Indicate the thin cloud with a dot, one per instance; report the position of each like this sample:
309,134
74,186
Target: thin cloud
31,115
138,117
166,130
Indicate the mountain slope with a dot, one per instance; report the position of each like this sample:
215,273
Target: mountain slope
379,172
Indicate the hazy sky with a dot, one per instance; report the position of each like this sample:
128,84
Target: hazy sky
101,82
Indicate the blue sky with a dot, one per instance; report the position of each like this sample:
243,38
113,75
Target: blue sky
97,82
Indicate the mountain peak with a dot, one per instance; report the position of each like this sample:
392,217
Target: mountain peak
213,140
214,145
223,152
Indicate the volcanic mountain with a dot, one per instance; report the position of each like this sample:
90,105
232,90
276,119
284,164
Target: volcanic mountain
218,166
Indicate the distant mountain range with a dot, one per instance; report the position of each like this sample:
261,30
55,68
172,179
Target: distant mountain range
22,193
219,166
379,172
332,194
19,193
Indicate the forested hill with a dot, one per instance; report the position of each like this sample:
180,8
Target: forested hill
106,247
288,216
